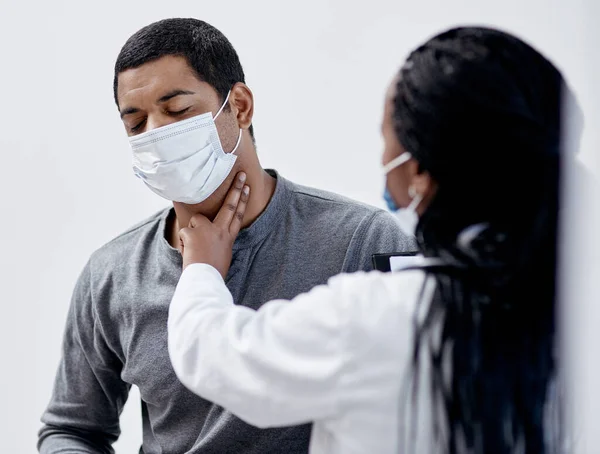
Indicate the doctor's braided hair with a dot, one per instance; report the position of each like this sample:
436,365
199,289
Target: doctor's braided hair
481,112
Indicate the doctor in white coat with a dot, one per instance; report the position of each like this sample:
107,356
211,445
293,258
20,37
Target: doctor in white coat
459,355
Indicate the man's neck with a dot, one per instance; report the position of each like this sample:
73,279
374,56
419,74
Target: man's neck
262,187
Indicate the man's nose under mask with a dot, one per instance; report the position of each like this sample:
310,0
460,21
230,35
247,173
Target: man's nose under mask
184,161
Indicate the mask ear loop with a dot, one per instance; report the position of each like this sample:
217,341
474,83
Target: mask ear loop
223,106
416,198
396,162
237,144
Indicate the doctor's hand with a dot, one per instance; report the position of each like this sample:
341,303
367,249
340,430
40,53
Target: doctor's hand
209,242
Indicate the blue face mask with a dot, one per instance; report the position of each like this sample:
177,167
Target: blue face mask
406,218
391,205
396,162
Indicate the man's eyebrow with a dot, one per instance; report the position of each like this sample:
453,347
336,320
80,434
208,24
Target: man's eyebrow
174,93
165,98
129,111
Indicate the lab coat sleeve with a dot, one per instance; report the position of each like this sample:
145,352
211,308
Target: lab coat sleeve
278,366
89,395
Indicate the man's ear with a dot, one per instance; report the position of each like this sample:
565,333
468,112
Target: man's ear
242,103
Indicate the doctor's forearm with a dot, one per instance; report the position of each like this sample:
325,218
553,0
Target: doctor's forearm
278,366
193,325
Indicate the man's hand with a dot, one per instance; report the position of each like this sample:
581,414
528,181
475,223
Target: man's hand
212,242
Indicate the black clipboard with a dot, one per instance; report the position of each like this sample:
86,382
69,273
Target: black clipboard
381,262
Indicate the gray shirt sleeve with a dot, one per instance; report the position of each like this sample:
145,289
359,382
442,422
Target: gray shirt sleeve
376,234
89,395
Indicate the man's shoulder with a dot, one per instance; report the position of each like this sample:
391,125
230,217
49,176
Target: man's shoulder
331,202
335,211
124,246
367,229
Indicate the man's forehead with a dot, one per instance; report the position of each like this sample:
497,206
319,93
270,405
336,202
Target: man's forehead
155,69
159,75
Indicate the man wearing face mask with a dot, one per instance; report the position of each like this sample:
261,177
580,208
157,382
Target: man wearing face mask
180,90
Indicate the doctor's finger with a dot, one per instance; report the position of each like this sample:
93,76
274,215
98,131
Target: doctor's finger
230,205
198,220
236,223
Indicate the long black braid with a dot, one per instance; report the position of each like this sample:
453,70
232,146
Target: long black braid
481,112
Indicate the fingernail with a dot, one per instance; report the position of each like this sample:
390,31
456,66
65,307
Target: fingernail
246,190
242,177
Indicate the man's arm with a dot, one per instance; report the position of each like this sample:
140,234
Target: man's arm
89,395
376,234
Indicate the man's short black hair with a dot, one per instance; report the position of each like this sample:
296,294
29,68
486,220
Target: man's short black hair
208,52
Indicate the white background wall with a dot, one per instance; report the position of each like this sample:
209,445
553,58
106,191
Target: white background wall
318,70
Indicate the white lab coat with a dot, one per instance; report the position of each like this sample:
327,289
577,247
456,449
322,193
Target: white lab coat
337,356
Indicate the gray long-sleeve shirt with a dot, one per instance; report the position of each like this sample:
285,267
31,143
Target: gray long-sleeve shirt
116,332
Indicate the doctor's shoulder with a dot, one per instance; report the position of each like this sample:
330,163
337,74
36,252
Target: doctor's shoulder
376,311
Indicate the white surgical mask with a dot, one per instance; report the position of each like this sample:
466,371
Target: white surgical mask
406,218
184,161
